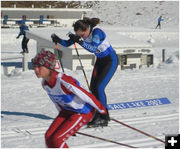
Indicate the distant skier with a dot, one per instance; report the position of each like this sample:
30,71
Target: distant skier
25,40
93,39
76,106
159,22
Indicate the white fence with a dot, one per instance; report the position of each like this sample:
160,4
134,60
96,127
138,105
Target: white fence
134,57
8,69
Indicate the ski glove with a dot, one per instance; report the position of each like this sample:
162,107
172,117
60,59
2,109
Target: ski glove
55,38
17,37
105,116
75,38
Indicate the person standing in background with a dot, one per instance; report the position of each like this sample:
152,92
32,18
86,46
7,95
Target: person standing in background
159,22
25,40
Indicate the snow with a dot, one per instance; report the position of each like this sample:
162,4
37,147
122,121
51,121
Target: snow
125,13
27,111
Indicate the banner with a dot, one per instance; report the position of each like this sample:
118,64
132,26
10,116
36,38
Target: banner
139,103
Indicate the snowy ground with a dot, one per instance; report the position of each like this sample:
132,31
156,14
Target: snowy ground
27,112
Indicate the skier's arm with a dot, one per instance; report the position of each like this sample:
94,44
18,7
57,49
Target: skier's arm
22,30
87,97
65,43
20,33
97,39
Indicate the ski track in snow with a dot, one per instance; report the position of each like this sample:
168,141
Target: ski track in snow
35,131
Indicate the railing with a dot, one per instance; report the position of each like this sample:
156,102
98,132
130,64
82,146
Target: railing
24,60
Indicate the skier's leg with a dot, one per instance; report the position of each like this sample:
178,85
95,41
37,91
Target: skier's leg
93,84
26,47
109,71
102,74
94,88
100,70
23,44
55,124
69,128
156,26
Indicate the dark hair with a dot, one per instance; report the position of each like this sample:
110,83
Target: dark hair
85,23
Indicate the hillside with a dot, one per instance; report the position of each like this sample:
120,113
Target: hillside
41,4
121,13
136,13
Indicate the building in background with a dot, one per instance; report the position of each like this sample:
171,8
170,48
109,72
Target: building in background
36,17
132,54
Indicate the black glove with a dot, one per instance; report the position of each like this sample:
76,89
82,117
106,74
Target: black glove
105,116
55,38
17,37
75,38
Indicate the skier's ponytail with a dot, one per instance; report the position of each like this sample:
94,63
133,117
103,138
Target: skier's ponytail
85,23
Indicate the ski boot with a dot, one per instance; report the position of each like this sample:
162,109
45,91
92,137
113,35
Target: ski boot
99,120
95,118
22,52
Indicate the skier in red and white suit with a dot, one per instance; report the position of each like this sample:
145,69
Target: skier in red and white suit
76,106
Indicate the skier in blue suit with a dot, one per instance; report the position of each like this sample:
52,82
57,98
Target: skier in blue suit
25,40
93,38
159,22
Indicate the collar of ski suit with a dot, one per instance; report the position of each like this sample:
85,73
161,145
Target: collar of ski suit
52,82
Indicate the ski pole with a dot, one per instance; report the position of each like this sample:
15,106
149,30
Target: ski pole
138,130
81,66
103,139
57,48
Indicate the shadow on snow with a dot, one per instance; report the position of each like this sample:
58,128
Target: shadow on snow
40,116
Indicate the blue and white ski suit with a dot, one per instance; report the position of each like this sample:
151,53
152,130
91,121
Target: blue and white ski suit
105,65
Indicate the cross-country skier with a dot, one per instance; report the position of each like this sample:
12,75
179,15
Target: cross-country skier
93,38
76,106
159,22
25,40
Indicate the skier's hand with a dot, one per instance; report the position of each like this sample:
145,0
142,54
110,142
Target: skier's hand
105,116
103,110
17,37
55,38
75,38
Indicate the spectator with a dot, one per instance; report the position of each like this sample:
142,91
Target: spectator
159,22
25,40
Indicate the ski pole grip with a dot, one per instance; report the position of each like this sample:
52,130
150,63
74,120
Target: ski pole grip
75,46
56,46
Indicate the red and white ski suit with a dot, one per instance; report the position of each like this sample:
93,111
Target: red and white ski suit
76,108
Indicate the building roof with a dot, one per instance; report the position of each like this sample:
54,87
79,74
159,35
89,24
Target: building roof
46,9
34,13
